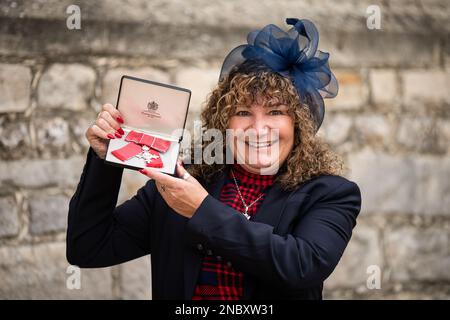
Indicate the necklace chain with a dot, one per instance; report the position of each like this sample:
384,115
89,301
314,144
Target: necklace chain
242,198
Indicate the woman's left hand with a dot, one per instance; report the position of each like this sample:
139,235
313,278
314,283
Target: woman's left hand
183,196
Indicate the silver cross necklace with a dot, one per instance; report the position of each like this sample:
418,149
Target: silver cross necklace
242,198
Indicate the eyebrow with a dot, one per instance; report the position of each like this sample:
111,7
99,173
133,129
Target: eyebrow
269,105
276,104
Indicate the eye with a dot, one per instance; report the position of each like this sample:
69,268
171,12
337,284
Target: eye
276,112
242,113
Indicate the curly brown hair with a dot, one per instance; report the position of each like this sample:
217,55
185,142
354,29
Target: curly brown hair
310,155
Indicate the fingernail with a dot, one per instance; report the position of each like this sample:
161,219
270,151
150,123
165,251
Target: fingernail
120,131
120,119
143,171
118,135
110,136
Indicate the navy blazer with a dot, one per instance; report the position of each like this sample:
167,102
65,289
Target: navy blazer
286,250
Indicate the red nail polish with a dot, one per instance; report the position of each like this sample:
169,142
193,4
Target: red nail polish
110,136
120,119
118,135
143,171
120,131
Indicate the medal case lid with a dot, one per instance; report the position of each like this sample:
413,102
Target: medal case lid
153,107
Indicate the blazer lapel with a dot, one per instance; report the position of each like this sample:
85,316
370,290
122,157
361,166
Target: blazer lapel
272,206
269,212
193,260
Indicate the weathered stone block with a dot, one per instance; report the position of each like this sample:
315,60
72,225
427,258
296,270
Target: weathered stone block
415,254
40,173
384,86
200,81
402,184
48,212
40,272
15,87
136,279
66,86
362,251
353,92
9,217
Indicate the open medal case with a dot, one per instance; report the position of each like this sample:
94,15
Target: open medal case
154,117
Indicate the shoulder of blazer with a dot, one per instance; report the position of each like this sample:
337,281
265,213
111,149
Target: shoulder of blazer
324,186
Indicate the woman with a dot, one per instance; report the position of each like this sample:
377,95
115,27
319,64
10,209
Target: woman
274,227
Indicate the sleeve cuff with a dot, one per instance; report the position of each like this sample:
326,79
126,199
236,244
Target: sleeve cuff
210,217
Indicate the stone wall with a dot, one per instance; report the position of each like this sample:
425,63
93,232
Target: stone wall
390,121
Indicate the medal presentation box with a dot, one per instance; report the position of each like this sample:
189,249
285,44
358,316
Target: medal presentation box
154,117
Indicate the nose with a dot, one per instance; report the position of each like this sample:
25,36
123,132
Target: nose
260,125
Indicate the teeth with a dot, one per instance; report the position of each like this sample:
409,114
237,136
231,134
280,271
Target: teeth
259,145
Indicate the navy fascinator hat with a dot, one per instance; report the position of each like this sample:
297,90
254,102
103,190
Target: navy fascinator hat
292,54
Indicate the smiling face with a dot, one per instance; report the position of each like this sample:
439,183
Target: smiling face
263,136
231,107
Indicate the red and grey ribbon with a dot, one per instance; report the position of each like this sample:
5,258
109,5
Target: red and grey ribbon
139,139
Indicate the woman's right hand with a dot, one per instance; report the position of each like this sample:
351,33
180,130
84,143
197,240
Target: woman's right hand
106,127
